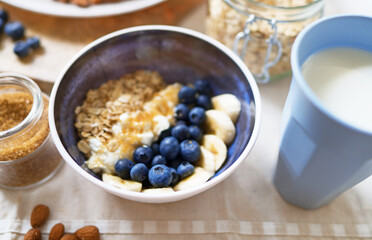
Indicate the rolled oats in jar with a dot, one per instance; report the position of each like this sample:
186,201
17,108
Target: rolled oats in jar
27,152
262,32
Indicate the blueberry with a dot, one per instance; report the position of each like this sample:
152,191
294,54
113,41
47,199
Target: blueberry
181,122
204,101
165,133
146,183
3,15
158,159
169,147
160,176
181,132
197,115
202,87
1,24
15,30
190,150
155,148
182,112
139,172
142,154
187,95
174,163
175,176
21,49
185,169
33,42
195,133
123,167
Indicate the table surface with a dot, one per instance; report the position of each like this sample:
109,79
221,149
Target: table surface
244,206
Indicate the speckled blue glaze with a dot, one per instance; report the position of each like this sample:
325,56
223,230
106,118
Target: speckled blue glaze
177,57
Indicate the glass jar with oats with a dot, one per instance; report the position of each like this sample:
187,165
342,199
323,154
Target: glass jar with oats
262,32
27,153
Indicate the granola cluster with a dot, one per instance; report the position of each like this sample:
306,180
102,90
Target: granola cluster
103,106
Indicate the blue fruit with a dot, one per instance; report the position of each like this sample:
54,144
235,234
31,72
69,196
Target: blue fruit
181,112
165,133
3,15
185,169
33,42
158,159
195,133
143,154
187,95
175,176
174,163
139,172
169,147
2,23
202,87
21,49
123,167
15,30
197,116
181,122
155,148
204,101
181,132
160,176
190,150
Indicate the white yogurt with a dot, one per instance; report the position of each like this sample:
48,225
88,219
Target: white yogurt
133,129
342,79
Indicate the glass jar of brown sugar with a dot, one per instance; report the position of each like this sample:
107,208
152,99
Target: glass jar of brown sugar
262,32
27,153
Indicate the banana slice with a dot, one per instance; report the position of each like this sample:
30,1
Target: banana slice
121,183
206,160
220,124
158,190
199,177
217,147
228,104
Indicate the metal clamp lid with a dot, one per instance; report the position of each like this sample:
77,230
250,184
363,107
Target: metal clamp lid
244,36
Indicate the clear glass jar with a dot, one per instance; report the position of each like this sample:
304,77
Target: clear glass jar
262,32
28,156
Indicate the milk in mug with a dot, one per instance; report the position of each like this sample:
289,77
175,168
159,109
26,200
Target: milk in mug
342,79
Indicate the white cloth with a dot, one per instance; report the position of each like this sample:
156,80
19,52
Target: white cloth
244,206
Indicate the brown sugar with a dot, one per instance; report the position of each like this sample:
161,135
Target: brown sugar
15,106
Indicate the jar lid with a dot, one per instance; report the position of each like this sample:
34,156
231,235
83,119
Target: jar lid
279,13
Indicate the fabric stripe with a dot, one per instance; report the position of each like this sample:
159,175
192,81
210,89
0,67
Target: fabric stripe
245,228
315,230
339,230
292,229
202,227
364,230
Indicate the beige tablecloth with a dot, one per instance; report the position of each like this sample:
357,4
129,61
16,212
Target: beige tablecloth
244,206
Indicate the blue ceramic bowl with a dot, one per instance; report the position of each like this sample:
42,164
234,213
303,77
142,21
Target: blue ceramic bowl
179,55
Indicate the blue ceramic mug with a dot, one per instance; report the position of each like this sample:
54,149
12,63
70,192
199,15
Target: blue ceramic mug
320,154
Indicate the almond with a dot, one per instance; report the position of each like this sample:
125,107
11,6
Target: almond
88,233
69,236
39,214
33,234
57,232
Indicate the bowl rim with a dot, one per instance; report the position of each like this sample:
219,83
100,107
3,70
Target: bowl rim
172,196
